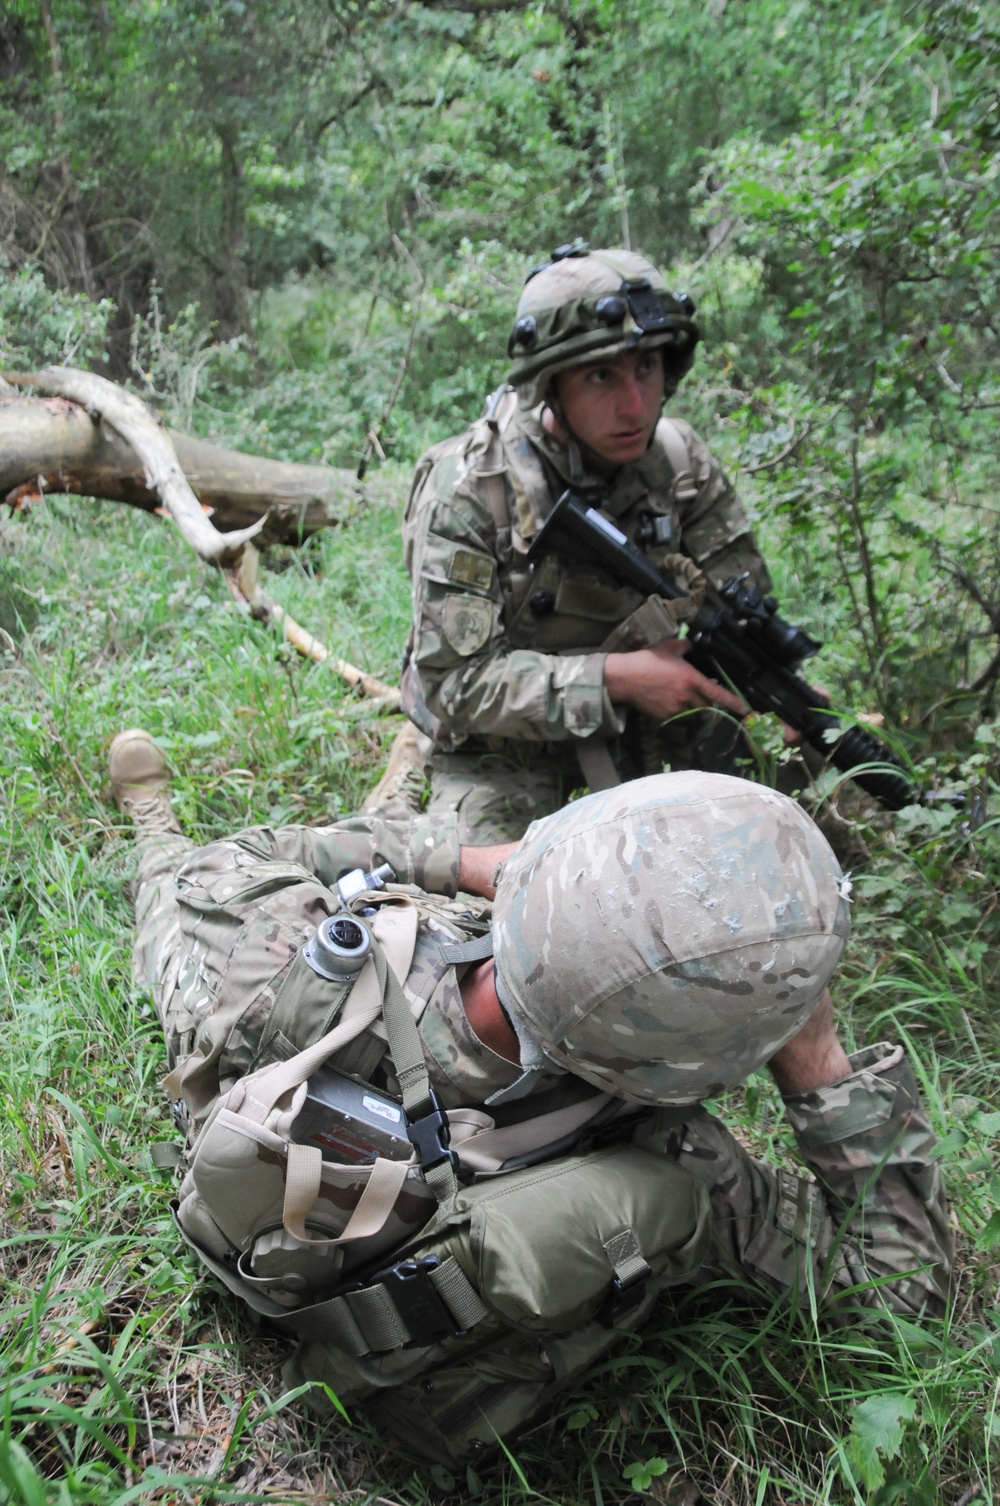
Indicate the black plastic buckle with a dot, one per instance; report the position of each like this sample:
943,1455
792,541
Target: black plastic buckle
431,1136
413,1295
621,1300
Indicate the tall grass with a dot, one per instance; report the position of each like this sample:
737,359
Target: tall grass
126,1375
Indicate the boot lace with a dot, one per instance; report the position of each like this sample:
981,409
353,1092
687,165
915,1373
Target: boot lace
153,813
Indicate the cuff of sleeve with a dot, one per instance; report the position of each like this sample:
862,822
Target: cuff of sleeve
434,853
587,708
880,1088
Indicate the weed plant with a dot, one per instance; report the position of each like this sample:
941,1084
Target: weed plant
127,1376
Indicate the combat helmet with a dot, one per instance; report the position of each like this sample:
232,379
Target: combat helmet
585,304
664,938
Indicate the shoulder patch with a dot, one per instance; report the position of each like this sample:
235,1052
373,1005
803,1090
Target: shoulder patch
471,569
467,623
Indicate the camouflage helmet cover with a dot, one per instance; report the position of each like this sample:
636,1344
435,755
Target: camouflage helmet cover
584,305
664,938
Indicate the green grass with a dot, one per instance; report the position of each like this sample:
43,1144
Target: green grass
126,1375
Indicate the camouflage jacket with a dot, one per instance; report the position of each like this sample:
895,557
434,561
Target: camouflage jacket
247,905
510,648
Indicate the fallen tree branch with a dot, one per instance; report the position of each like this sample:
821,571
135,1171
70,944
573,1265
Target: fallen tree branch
90,413
50,444
250,596
130,417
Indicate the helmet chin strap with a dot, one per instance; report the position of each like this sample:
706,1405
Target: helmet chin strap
577,448
574,445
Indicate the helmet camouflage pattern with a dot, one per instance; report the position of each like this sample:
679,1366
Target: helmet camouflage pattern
584,305
664,938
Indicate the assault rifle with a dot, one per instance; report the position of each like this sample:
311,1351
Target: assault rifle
743,642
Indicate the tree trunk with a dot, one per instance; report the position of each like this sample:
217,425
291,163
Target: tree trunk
51,444
230,286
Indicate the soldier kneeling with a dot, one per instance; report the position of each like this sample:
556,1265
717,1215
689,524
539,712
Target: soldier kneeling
458,1147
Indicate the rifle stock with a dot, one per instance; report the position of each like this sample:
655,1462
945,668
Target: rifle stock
750,647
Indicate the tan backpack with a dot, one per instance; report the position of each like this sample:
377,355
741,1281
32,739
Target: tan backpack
455,1280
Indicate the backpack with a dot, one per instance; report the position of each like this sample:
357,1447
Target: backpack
478,1260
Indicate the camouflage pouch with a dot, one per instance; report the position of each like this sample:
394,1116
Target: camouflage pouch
290,1218
561,1259
657,619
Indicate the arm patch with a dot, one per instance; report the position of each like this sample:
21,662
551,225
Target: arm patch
467,568
467,622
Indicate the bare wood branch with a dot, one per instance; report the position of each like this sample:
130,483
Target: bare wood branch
793,444
137,425
245,588
40,439
51,444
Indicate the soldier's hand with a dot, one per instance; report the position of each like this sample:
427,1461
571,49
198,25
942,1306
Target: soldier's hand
660,682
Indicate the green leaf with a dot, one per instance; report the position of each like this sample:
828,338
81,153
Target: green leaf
989,1236
640,1476
877,1432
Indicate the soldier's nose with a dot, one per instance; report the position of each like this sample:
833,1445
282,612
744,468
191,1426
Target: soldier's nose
630,398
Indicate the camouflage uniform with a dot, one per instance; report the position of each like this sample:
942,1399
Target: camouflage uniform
217,935
504,668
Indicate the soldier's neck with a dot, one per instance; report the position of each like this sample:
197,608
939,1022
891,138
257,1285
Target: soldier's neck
594,462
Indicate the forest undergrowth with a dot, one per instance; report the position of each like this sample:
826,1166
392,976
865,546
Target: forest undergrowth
130,1377
291,227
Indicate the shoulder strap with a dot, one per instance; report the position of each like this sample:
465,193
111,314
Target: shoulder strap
376,992
685,488
487,452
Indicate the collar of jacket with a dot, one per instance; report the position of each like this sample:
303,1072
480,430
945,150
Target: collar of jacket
651,477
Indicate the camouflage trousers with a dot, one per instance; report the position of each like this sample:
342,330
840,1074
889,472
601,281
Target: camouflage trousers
159,950
497,787
868,1229
496,792
496,797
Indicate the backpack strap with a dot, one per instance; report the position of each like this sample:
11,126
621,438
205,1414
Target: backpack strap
391,1311
377,992
684,486
412,1304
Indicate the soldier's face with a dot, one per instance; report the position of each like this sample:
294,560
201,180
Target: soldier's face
613,405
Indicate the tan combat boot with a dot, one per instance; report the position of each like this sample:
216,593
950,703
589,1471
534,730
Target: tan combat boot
401,790
140,780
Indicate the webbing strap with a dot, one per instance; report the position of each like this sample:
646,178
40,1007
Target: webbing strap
368,1320
596,764
303,1179
458,1294
378,1318
685,487
486,1149
476,949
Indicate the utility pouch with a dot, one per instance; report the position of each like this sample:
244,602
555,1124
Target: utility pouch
538,1271
292,1217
